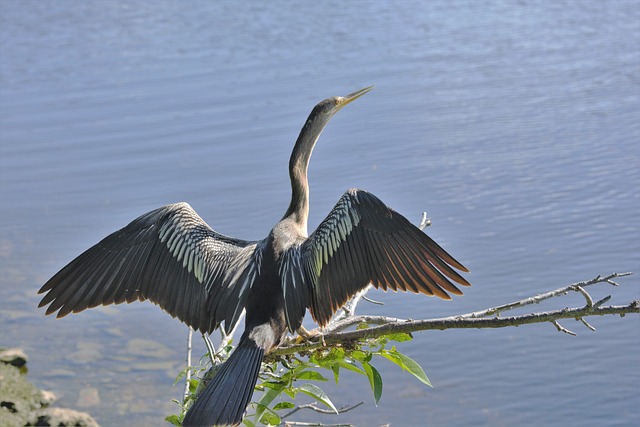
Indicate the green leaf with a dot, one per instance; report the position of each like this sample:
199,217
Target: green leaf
408,364
324,358
248,423
361,355
193,385
268,416
311,375
299,367
318,394
336,372
269,395
173,419
400,337
375,380
381,342
272,385
284,405
291,392
180,376
351,366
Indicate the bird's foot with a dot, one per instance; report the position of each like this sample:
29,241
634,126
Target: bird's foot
305,335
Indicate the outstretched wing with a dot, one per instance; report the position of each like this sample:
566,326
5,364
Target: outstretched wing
363,241
169,256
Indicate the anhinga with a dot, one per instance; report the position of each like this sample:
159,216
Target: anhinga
171,257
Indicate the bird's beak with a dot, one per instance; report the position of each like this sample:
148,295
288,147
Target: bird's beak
344,100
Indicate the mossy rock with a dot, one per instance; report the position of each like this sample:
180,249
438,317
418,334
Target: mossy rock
22,404
13,356
18,397
61,417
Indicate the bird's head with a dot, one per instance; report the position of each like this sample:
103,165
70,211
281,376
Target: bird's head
325,109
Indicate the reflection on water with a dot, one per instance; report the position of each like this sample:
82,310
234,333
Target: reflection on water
515,125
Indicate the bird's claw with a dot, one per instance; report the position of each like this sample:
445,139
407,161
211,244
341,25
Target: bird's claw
306,336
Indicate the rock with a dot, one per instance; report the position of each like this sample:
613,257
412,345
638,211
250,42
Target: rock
17,396
22,404
47,397
13,356
61,417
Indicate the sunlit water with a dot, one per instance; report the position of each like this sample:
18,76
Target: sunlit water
516,125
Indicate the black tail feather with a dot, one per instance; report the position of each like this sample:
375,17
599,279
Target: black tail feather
225,399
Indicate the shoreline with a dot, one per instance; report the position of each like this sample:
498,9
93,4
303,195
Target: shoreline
23,404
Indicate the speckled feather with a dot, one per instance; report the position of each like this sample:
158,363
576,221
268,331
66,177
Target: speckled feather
363,241
169,256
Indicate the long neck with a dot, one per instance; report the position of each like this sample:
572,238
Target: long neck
298,209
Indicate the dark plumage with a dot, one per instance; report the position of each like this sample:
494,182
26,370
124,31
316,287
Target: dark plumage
171,257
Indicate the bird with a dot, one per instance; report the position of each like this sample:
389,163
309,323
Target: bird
173,258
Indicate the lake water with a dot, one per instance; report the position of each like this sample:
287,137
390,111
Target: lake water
515,125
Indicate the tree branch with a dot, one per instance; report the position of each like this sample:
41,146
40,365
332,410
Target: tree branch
387,325
187,377
315,408
578,287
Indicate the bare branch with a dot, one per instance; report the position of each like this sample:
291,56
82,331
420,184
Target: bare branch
372,301
187,377
602,301
348,310
210,348
301,423
539,298
425,222
586,295
584,322
357,320
338,333
562,329
339,336
315,408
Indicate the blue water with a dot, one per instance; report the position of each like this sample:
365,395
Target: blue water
515,125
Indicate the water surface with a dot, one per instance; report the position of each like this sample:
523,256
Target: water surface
516,125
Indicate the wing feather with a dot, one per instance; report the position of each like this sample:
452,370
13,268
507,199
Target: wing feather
363,241
169,256
293,273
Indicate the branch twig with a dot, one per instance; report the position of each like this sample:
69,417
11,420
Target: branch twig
539,298
315,408
187,377
479,319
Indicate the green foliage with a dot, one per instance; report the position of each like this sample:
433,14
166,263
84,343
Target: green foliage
283,379
176,420
287,377
195,373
